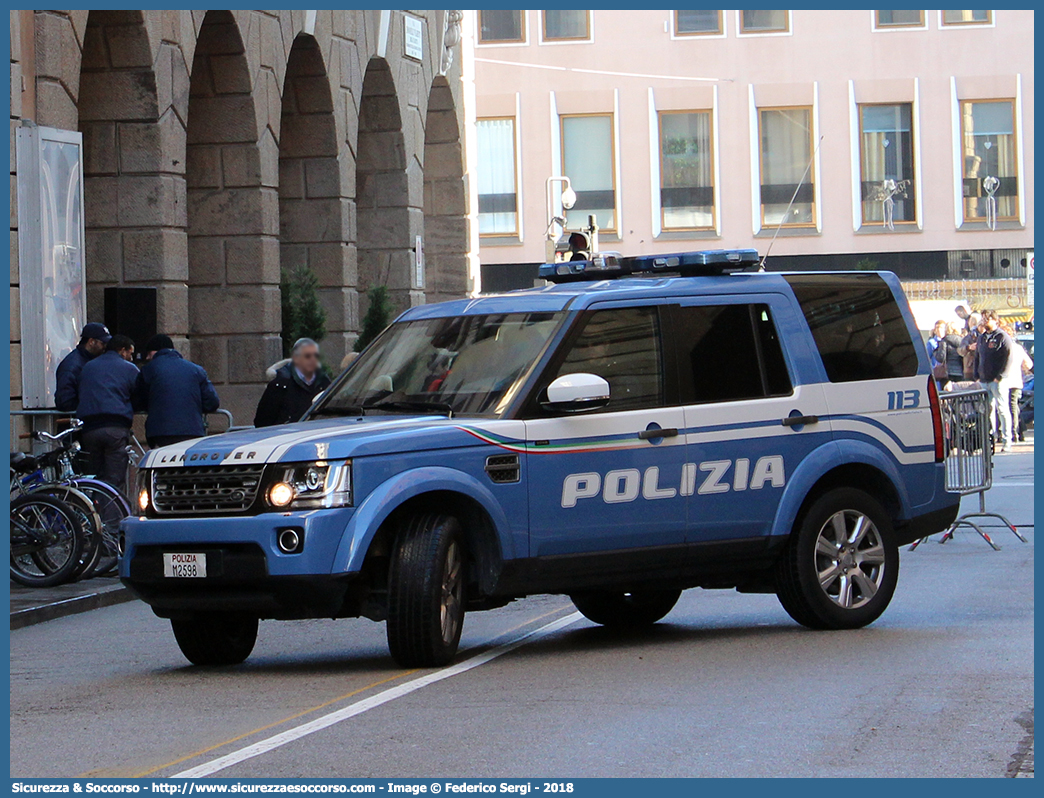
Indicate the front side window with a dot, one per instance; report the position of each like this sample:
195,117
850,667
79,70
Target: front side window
588,160
502,26
886,163
729,353
899,19
967,17
471,365
566,25
991,178
686,171
498,195
762,21
857,326
787,172
622,346
697,22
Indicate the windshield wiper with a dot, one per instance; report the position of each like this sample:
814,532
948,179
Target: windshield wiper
347,410
402,404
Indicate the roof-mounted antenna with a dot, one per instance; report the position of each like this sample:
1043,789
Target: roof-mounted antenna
801,182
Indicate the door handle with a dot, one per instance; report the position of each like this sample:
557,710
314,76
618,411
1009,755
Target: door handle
800,421
647,434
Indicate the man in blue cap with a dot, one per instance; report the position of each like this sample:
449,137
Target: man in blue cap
93,341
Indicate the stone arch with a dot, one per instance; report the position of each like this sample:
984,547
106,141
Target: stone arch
233,218
313,214
133,146
385,233
445,198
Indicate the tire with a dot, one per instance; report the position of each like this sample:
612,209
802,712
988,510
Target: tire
426,587
46,541
841,564
216,638
90,522
620,610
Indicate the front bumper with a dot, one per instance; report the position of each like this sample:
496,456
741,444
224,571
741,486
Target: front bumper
246,570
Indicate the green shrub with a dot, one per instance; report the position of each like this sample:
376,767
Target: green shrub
303,314
377,317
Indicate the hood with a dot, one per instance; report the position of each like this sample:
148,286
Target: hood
322,439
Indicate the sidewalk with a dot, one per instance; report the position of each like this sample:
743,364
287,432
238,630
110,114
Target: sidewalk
31,605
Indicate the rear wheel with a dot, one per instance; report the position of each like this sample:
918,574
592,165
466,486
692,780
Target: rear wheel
623,610
46,541
841,564
216,638
426,584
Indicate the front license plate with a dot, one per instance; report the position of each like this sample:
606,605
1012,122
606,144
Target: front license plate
180,564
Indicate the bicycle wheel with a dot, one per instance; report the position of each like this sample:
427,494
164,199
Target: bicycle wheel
46,541
90,522
112,508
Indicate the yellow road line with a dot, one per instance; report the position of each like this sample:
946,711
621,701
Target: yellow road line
271,725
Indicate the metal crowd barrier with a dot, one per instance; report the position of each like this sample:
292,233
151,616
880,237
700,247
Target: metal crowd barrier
968,446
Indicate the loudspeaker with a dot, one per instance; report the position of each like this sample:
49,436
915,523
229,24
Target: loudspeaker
132,312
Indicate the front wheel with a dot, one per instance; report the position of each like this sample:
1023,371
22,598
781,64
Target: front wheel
426,584
626,610
841,565
215,638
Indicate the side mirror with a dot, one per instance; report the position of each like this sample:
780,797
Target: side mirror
575,393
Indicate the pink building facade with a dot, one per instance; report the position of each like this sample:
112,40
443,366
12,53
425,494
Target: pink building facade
898,138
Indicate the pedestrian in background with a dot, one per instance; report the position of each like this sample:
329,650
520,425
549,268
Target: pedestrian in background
969,347
295,386
1019,365
108,398
93,340
938,333
995,349
948,360
175,393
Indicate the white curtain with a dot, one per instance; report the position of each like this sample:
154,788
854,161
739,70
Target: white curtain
495,140
989,150
587,160
786,149
687,163
886,155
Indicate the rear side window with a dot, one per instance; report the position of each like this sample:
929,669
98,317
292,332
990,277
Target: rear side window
728,353
857,326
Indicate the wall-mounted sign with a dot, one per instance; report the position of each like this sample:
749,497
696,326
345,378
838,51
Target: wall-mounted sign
412,37
418,277
51,275
1029,276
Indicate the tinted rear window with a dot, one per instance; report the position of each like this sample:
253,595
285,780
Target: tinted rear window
857,326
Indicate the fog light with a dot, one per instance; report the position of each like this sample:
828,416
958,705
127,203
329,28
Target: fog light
289,541
143,499
280,494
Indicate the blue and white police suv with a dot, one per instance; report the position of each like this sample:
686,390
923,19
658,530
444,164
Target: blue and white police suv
640,427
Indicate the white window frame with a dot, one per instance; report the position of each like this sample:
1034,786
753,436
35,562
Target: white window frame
676,36
505,42
551,42
517,152
741,34
874,27
943,25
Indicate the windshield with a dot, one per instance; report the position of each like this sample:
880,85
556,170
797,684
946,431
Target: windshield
466,364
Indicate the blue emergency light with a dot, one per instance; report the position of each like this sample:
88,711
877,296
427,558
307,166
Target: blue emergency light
611,266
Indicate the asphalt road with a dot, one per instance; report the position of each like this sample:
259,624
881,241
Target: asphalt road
728,685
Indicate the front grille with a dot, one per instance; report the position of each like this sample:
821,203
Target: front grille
205,489
503,468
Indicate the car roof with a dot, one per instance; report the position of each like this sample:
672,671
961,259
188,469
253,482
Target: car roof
581,294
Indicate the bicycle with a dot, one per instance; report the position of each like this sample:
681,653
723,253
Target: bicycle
53,473
46,541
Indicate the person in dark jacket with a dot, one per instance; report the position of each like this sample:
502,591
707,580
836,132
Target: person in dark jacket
108,399
175,393
296,384
93,340
948,354
995,349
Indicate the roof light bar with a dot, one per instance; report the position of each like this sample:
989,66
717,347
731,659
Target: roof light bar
610,265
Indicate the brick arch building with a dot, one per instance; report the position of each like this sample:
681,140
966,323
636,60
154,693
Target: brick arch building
222,146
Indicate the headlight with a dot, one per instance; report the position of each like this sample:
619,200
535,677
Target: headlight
307,485
144,483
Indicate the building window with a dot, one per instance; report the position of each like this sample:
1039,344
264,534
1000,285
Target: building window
566,25
906,18
988,154
761,21
967,17
588,160
787,172
497,185
686,171
886,163
502,26
698,22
